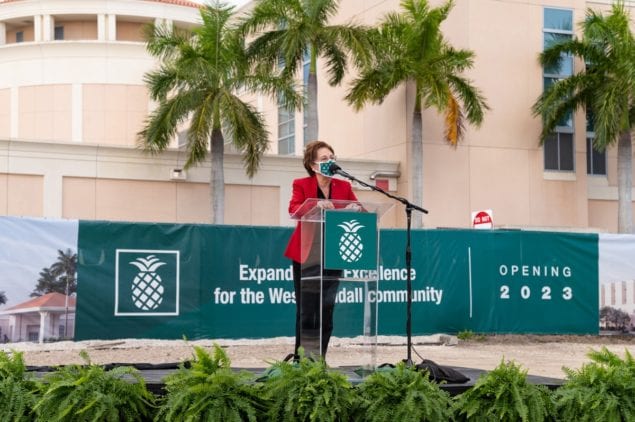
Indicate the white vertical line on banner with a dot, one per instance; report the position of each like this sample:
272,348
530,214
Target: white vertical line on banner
469,267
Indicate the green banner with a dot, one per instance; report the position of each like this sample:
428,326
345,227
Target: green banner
203,281
493,281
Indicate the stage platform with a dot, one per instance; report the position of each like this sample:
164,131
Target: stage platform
155,374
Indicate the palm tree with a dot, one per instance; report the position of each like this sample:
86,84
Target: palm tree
59,277
299,29
411,50
196,84
47,283
65,269
606,87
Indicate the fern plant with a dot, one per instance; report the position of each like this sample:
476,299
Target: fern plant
210,391
90,393
402,394
603,390
18,391
307,390
504,395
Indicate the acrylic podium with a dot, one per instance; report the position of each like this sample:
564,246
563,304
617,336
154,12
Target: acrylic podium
339,281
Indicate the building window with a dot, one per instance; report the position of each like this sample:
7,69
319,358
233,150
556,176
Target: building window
59,33
306,66
19,36
595,160
181,139
559,151
33,332
286,124
559,146
286,130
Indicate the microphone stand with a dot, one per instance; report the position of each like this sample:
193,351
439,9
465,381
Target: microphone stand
409,207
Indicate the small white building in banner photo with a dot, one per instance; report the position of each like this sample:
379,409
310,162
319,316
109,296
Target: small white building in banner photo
48,317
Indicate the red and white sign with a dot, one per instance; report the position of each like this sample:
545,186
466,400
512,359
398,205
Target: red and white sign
482,219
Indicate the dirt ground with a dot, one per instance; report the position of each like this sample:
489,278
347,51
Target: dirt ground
539,355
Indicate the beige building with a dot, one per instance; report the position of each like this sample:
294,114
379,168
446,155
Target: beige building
47,317
72,99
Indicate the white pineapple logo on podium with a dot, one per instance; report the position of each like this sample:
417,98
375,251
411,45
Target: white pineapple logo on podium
350,245
147,287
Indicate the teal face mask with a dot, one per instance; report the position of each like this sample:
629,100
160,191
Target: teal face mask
325,168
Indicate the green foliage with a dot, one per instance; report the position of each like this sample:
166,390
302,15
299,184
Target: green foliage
605,88
17,391
409,46
603,390
291,29
196,83
12,365
607,47
85,393
59,277
504,395
290,32
210,391
467,335
402,394
308,391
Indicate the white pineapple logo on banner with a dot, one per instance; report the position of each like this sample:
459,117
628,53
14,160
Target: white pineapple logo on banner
147,289
147,282
350,245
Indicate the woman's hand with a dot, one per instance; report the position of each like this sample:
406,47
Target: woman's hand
325,205
354,206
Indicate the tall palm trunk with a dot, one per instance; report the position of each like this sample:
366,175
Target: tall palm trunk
625,183
312,123
217,182
416,162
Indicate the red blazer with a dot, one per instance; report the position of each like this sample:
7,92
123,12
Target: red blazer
303,189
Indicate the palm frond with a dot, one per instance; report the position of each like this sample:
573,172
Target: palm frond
163,122
357,38
318,11
453,121
276,86
611,114
245,126
473,100
560,99
335,60
199,131
165,42
265,48
374,84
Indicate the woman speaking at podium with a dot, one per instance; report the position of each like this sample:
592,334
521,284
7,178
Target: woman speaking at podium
320,185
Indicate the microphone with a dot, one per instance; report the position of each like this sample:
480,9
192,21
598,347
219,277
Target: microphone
335,169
